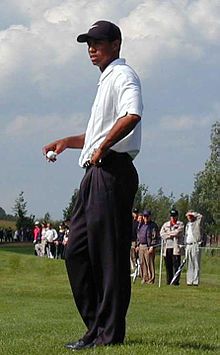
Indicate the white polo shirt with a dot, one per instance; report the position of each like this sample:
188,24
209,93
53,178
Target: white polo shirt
189,234
119,93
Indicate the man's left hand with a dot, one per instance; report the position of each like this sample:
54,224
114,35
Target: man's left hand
96,156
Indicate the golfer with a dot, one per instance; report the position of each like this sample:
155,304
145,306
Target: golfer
98,250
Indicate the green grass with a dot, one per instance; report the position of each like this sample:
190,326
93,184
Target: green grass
37,314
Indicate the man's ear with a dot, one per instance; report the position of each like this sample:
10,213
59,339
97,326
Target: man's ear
116,45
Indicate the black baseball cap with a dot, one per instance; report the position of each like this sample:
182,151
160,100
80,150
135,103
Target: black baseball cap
173,212
103,30
135,210
147,213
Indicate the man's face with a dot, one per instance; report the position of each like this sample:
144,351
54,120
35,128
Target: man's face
102,52
146,219
190,218
140,218
173,219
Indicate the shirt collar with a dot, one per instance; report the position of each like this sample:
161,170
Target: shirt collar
110,67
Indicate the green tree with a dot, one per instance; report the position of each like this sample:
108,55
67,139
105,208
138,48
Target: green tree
47,217
183,205
206,194
159,204
140,197
67,212
20,210
161,207
2,213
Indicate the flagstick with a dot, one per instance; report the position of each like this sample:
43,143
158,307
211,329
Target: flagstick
161,261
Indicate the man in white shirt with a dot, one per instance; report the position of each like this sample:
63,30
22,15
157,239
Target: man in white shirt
193,239
50,236
172,233
98,249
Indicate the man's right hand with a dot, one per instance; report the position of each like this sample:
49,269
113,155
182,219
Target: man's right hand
57,146
60,145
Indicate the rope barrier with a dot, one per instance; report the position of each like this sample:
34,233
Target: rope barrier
137,270
184,245
209,248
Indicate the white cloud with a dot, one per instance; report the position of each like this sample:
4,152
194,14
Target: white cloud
24,127
13,44
152,30
184,122
173,132
170,29
204,15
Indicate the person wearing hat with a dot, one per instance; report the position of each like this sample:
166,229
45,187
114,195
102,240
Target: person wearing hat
37,232
37,238
147,239
172,233
98,249
193,239
59,247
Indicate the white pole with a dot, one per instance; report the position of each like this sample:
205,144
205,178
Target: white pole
161,262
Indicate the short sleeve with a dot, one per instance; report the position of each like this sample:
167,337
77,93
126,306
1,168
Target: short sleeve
128,94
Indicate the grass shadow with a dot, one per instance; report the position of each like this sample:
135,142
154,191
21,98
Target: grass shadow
18,248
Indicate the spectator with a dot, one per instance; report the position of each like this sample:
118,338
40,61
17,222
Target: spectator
1,234
40,247
16,236
37,238
140,220
66,236
37,232
43,238
50,235
147,237
59,241
193,239
22,235
9,235
172,235
133,256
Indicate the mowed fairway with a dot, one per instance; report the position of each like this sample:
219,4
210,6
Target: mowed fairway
37,315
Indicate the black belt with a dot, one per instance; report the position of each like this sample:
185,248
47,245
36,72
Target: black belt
87,164
110,155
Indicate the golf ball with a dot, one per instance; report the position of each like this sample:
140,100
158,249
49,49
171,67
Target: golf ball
51,155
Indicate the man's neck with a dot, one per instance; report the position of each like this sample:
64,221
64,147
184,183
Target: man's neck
103,67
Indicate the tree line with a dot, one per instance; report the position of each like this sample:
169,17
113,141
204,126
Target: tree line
205,197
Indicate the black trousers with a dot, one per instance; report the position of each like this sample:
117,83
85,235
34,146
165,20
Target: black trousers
172,263
98,249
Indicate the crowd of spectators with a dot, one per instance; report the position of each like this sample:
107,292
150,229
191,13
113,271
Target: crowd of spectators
8,235
50,242
174,239
47,240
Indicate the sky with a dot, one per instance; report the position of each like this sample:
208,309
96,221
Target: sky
48,84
